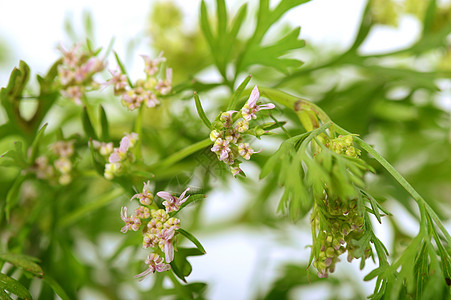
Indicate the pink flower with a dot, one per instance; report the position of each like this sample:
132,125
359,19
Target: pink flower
118,81
172,203
146,197
245,151
164,86
70,57
155,263
74,92
151,65
165,243
221,147
226,118
250,109
131,223
150,240
120,153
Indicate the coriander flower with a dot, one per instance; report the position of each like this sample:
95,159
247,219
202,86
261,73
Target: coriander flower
173,203
165,243
245,151
131,223
155,263
146,197
250,109
221,147
151,65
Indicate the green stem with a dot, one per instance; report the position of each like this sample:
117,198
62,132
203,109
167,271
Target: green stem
307,111
179,155
404,183
138,128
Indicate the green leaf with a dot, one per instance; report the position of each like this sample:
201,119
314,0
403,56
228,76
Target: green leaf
271,55
35,144
104,124
237,22
4,295
206,27
122,67
56,287
422,270
180,265
13,286
236,95
193,239
429,17
201,112
99,167
222,16
23,261
87,125
13,194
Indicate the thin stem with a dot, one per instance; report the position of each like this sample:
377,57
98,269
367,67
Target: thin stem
179,155
404,183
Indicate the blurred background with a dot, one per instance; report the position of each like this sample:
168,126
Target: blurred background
391,85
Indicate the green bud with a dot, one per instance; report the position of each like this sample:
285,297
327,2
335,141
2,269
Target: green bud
330,252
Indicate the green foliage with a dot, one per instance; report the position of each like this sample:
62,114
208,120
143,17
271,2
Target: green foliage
49,225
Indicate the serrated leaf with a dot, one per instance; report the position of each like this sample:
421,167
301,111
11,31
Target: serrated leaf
193,239
271,55
13,286
23,261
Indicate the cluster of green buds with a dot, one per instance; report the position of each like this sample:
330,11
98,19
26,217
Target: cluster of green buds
336,222
76,71
159,228
343,144
228,132
118,158
158,82
57,168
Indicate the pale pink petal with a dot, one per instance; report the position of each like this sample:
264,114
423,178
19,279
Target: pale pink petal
165,195
169,252
267,106
183,194
253,97
114,157
125,144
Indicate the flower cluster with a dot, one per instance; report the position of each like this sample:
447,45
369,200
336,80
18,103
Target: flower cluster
339,222
345,225
343,144
228,131
145,91
60,168
118,158
159,229
76,72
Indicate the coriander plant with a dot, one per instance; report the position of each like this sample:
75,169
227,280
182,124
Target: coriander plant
93,156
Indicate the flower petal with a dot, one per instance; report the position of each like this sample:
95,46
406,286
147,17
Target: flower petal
253,97
165,195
